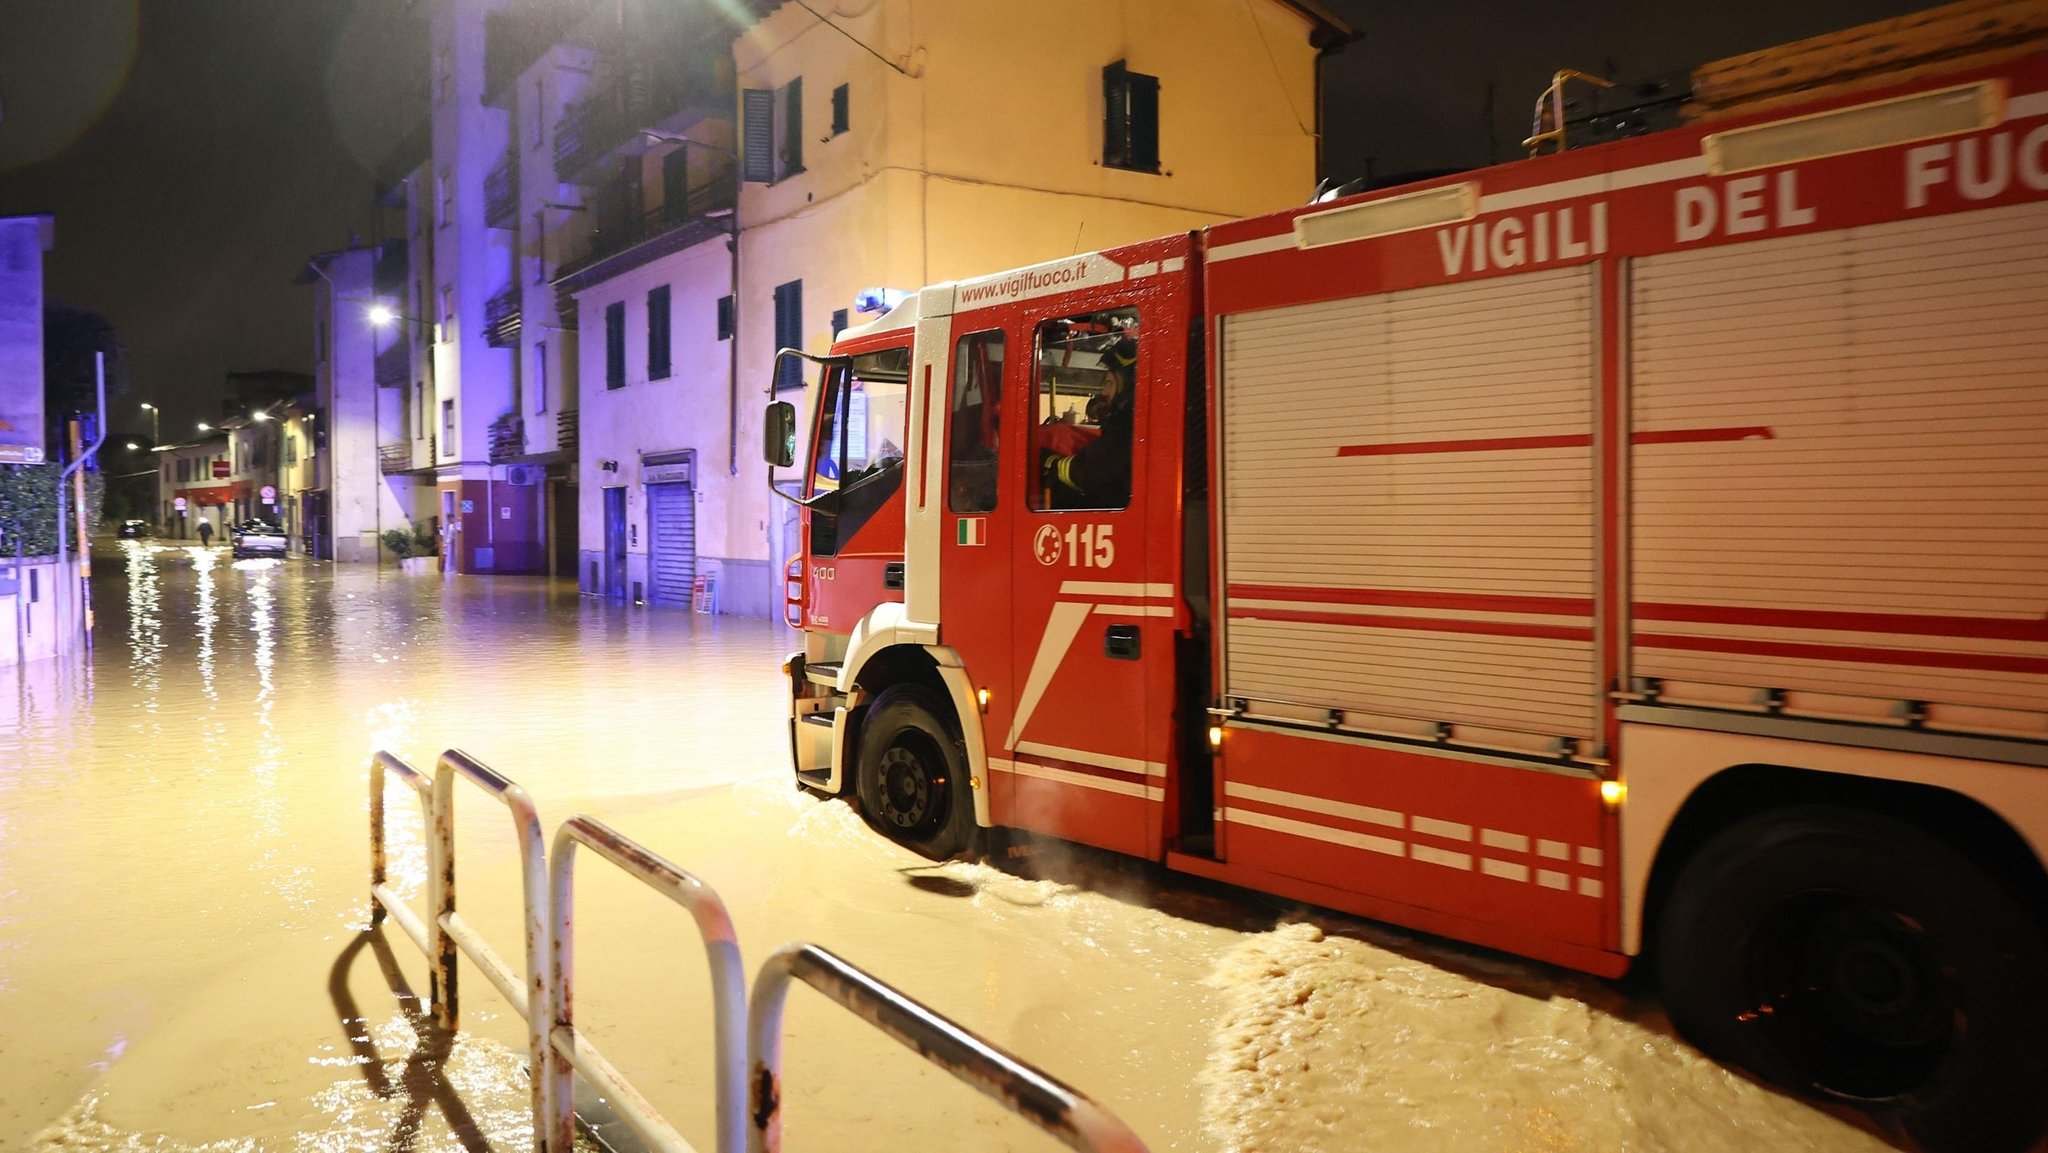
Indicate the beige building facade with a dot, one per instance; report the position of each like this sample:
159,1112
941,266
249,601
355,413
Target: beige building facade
897,144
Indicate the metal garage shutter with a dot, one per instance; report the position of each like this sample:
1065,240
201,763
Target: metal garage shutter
1881,531
672,525
1408,521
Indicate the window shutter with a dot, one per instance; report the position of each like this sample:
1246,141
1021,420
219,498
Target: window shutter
725,318
615,345
657,332
1144,121
793,112
789,331
1116,116
758,111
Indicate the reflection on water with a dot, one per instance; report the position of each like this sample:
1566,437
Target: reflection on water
186,963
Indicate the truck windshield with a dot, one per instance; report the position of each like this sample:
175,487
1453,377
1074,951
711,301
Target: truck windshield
861,419
858,453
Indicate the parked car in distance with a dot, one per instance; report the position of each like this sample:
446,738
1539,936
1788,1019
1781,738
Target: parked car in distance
132,530
258,538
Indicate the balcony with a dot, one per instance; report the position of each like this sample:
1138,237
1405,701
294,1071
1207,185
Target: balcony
501,194
507,438
501,319
624,242
394,364
394,458
665,93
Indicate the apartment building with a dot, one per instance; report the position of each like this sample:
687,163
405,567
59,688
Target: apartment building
195,480
695,186
362,353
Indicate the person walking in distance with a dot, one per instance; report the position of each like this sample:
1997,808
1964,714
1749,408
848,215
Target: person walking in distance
205,533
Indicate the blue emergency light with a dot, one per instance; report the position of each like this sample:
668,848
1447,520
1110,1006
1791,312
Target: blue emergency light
878,299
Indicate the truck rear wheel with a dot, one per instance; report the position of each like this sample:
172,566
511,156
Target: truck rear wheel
913,776
1850,954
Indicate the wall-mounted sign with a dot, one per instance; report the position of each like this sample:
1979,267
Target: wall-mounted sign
677,473
178,502
220,468
468,506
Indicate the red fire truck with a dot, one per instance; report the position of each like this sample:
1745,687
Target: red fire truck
1634,554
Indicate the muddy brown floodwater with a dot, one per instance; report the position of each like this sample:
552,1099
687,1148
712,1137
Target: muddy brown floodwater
184,962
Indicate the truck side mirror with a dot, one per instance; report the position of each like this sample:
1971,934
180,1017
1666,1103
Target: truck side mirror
778,435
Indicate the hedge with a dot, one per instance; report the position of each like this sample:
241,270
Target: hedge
28,497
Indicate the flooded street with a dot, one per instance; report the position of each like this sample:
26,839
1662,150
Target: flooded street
184,962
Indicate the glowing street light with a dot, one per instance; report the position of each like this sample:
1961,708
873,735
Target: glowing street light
154,413
381,315
205,427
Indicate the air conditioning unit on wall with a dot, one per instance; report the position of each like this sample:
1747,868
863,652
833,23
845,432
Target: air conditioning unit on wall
524,473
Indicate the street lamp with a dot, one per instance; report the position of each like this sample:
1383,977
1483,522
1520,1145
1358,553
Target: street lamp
205,427
154,412
134,447
381,315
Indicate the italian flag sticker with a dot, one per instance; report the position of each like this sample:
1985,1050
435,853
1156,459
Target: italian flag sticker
970,530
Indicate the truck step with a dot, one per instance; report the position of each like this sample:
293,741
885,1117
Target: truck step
823,674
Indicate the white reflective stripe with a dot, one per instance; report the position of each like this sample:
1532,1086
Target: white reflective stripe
1173,264
1113,589
1134,610
1505,870
1555,850
1232,251
1496,839
1386,845
1083,780
1366,813
1436,828
1060,629
1099,760
1428,854
1591,857
1444,857
2021,107
1686,168
1149,268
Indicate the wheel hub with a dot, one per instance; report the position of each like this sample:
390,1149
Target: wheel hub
1852,994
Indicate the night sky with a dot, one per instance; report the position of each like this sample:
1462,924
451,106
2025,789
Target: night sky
195,152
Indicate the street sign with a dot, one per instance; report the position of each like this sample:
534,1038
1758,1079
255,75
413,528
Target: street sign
21,454
269,494
220,468
178,502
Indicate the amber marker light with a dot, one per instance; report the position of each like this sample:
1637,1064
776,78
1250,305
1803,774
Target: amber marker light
981,698
1215,736
1612,793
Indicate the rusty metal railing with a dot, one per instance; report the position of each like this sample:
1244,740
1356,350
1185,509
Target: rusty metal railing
1071,1118
447,932
570,1051
747,1036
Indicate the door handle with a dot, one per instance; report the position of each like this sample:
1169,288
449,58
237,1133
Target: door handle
1120,642
892,575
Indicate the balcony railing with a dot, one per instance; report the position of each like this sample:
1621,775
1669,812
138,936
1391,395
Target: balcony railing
507,439
669,92
501,193
394,458
393,365
680,223
501,319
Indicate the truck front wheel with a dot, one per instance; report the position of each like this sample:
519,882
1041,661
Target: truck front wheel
913,776
1851,954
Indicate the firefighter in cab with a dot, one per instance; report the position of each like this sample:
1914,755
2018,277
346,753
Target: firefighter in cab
1097,474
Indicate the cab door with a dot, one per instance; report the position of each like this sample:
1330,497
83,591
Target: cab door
1091,619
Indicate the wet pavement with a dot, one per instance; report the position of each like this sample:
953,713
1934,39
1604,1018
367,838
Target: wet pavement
184,961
